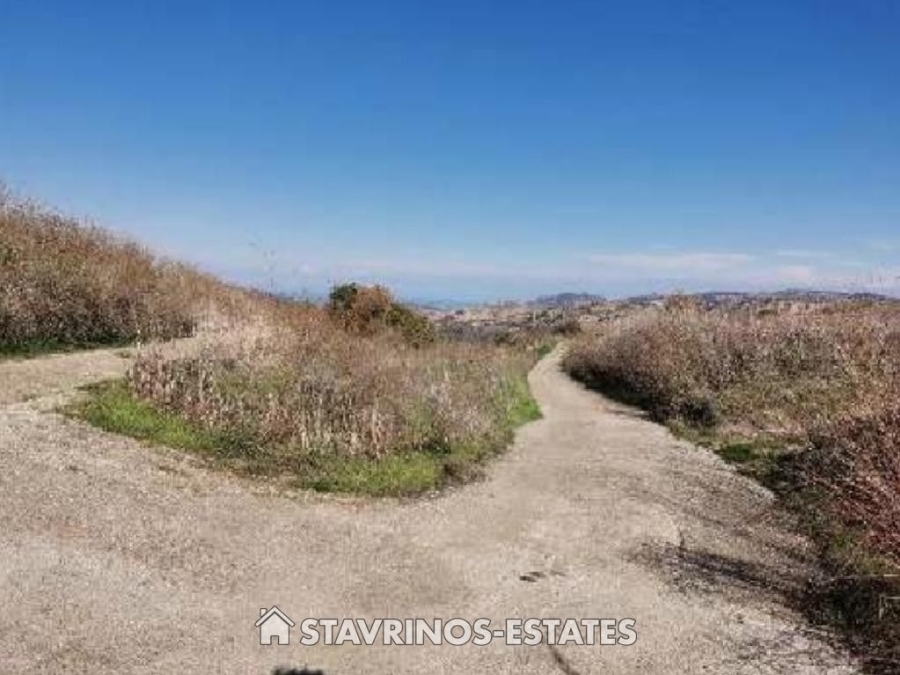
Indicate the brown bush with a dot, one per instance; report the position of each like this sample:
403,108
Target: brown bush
369,310
66,283
856,462
780,372
826,377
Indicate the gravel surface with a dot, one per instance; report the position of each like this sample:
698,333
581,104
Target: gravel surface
119,558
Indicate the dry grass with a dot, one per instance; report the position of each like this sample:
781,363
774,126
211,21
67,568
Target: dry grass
297,396
64,283
780,372
819,383
824,376
309,387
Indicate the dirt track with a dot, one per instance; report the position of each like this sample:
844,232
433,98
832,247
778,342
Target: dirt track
116,558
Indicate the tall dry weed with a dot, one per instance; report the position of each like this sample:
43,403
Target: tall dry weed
781,371
311,387
825,376
64,282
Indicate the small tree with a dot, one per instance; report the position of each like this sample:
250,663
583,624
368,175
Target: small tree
372,309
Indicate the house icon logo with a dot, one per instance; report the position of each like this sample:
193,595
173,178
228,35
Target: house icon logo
273,623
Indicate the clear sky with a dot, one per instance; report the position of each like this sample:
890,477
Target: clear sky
471,150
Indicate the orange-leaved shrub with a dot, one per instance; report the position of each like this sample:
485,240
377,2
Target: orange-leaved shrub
368,310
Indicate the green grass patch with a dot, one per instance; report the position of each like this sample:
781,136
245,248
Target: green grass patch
760,457
741,452
544,348
112,406
404,474
524,409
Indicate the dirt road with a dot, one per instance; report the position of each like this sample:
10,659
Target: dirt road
117,558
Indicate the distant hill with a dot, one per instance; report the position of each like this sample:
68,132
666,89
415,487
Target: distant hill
566,300
727,298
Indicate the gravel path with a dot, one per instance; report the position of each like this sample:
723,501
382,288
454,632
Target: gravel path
117,558
24,379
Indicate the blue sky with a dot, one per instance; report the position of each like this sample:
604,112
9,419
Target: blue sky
471,150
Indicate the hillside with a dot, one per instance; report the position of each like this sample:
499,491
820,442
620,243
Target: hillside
357,395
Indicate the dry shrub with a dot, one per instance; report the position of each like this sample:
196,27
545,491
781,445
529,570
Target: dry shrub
850,476
856,462
63,282
658,361
360,309
781,372
826,377
370,310
312,387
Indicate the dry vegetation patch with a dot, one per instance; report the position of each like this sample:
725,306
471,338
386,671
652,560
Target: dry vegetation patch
65,284
805,395
305,399
359,395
